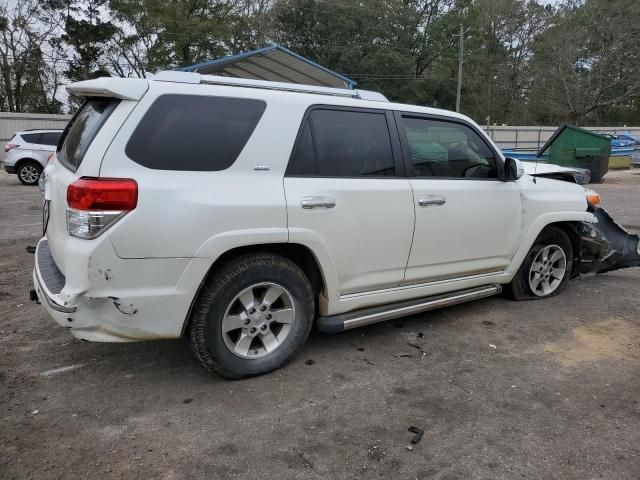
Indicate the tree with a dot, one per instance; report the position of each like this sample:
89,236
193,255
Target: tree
84,30
588,62
30,80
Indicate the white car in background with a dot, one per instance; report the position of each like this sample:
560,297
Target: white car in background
28,152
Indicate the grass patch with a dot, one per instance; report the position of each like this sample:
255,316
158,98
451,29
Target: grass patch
620,163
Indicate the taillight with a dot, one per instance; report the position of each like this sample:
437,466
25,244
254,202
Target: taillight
10,146
97,203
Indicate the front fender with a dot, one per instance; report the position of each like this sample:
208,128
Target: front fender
537,226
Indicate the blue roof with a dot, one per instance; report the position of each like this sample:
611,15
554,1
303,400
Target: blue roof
273,63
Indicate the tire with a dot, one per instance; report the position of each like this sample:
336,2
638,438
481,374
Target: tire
530,281
29,172
230,331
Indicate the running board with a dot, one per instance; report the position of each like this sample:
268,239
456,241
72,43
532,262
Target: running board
367,316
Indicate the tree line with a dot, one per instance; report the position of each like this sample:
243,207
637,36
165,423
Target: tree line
524,61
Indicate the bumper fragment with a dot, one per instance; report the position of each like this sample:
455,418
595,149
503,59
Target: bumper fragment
606,246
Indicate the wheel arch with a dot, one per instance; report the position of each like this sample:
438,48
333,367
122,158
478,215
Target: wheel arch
567,221
21,161
299,254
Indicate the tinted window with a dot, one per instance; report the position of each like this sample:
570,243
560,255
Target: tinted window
347,144
31,137
304,159
50,138
351,144
194,133
83,128
447,149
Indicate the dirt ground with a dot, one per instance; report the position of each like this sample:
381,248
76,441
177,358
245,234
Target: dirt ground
503,390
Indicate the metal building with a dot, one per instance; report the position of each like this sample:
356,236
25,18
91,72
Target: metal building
273,63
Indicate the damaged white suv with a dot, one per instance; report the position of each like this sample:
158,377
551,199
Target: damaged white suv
237,214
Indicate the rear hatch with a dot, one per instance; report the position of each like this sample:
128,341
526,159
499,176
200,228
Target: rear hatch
107,103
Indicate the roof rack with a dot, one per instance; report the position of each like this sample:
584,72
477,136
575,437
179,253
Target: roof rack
196,78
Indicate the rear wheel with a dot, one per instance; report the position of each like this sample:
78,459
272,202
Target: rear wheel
29,172
252,316
546,270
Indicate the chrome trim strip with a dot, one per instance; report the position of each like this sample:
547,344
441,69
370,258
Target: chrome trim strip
422,306
349,296
46,294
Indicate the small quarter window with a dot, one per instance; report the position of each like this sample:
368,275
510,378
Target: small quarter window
50,138
194,132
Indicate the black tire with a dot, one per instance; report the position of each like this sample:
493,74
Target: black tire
218,293
25,172
520,288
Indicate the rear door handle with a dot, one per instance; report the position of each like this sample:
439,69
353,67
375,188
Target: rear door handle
431,201
317,202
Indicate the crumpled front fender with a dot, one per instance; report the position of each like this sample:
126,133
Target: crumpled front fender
606,246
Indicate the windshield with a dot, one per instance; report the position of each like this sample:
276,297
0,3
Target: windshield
82,129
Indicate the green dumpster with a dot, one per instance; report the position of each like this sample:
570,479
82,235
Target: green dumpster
576,147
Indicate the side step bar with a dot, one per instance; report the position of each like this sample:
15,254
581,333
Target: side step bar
367,316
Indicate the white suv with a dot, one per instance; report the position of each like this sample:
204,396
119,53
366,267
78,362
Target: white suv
237,214
28,152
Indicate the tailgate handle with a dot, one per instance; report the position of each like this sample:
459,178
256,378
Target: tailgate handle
318,202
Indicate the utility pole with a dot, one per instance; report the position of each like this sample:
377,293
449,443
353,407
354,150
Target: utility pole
460,57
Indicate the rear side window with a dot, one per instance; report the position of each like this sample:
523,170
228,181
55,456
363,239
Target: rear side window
50,138
340,143
31,137
193,132
82,129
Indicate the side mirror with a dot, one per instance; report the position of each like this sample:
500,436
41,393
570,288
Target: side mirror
513,169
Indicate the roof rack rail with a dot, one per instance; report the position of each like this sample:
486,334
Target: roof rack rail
196,78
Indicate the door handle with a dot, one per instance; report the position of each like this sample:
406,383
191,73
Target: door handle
318,202
431,201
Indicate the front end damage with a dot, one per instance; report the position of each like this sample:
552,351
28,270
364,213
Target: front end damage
605,246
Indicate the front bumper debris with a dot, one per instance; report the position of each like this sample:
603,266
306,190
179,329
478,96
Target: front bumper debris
606,246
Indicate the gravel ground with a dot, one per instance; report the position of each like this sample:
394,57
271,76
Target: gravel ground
503,390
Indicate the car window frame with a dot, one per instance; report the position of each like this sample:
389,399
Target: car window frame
37,135
396,149
42,134
263,102
406,149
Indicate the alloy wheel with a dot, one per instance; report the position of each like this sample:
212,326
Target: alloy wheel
547,270
29,174
258,320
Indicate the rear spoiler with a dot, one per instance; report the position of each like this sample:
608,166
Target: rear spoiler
122,88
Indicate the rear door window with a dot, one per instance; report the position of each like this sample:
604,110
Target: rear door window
82,129
344,143
194,132
50,138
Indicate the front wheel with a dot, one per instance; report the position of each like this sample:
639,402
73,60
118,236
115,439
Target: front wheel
29,173
252,316
546,270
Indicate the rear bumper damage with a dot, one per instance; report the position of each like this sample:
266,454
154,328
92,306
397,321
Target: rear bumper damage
606,246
